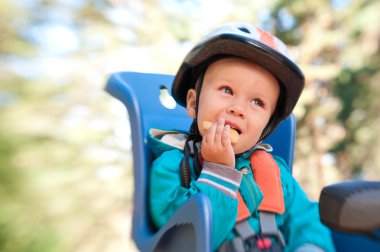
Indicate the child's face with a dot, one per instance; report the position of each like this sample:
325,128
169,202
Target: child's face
241,92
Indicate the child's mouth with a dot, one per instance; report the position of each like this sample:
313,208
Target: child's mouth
234,126
237,130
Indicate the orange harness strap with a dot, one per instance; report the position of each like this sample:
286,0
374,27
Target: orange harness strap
267,176
243,212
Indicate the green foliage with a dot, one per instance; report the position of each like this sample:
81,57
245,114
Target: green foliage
353,89
19,216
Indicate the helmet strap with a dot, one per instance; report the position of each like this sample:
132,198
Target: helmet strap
192,144
198,87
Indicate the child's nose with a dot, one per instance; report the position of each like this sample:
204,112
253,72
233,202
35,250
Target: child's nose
236,110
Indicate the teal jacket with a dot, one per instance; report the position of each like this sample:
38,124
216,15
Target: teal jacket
300,224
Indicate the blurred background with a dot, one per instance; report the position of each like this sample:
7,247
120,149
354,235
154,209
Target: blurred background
65,153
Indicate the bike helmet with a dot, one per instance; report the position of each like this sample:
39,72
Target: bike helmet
250,43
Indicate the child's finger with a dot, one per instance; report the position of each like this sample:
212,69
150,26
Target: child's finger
226,137
211,134
219,130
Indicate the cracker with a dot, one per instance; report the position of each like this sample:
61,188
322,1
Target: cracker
233,133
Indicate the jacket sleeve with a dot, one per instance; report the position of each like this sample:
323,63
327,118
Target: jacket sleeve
302,227
218,182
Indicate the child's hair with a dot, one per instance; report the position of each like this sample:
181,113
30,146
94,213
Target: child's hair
247,42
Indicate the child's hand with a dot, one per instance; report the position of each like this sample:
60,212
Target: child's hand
216,144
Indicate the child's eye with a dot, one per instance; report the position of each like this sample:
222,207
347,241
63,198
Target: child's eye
226,90
258,102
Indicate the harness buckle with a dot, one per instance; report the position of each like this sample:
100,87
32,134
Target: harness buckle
264,243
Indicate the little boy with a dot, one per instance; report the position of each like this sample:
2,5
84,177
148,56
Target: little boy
238,78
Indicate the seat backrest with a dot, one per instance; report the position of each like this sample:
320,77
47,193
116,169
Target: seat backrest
140,93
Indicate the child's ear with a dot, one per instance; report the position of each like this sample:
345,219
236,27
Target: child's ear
191,103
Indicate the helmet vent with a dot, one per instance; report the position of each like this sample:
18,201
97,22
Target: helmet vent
243,29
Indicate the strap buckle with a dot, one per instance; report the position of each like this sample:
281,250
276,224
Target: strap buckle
264,243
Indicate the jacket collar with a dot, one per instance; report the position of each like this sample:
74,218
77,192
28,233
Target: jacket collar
173,139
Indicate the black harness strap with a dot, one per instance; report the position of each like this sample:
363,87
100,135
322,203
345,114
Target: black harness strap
269,227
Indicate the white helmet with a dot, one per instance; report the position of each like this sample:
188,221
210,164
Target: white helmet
253,44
